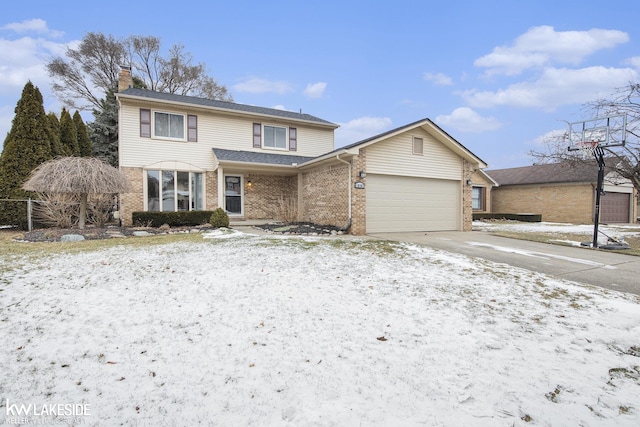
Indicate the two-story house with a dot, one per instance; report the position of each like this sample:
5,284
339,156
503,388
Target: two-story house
186,153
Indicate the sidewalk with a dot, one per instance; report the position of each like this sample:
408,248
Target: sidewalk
607,269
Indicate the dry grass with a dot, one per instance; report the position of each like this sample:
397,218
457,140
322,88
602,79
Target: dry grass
10,248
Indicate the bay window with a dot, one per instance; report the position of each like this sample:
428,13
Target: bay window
171,191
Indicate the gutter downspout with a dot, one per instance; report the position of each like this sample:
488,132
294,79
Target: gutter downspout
348,226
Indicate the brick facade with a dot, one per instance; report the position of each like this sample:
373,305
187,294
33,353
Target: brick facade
467,210
325,195
271,197
558,203
359,196
131,202
211,190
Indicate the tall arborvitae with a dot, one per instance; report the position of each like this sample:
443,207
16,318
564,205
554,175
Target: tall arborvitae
104,130
68,134
84,144
54,130
27,145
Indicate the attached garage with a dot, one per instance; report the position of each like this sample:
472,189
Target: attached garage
615,208
402,203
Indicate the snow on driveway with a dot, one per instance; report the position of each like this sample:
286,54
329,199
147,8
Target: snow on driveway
251,330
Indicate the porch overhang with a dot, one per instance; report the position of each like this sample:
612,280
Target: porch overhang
282,164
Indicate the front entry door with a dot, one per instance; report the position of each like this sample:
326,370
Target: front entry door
233,194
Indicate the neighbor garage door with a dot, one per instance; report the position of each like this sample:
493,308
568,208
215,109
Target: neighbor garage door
614,207
399,203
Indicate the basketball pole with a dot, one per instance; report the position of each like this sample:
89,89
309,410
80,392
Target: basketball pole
598,153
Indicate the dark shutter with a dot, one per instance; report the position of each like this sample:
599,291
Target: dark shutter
192,128
145,123
257,135
293,139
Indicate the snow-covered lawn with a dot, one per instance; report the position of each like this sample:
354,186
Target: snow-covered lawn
255,330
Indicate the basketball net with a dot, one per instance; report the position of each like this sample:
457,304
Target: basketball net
586,149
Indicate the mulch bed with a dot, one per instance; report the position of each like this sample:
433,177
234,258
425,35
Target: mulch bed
95,233
304,228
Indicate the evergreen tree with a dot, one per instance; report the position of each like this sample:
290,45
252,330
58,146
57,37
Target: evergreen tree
27,145
54,130
103,130
84,144
68,134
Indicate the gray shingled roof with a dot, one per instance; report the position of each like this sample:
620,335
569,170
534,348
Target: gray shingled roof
224,105
262,158
546,174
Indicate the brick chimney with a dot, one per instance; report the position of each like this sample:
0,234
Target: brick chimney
124,79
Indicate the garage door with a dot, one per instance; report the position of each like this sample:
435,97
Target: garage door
614,207
398,203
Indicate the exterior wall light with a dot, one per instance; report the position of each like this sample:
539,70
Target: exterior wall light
361,174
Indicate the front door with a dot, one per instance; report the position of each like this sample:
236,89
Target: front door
233,194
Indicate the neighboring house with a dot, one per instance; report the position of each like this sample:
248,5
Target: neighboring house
563,192
187,153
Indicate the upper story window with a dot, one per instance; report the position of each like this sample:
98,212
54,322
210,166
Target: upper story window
418,146
275,137
179,127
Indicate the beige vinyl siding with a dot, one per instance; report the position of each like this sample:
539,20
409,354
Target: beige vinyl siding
220,131
395,157
404,204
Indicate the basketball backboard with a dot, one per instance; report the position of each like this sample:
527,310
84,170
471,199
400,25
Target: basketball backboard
610,131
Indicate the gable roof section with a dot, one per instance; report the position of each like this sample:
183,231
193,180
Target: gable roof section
431,128
546,174
225,106
259,158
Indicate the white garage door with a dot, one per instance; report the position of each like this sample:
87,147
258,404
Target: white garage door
399,203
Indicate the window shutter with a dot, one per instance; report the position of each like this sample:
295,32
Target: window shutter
257,135
293,139
145,123
192,131
483,196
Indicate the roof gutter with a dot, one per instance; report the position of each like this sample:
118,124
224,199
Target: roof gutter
348,226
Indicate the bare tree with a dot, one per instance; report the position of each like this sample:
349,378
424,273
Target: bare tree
90,70
79,176
625,161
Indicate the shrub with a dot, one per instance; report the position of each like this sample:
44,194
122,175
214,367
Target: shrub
219,218
173,219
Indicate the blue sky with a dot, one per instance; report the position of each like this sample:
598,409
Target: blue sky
498,76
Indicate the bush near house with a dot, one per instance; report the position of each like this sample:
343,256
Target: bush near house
219,218
511,217
173,219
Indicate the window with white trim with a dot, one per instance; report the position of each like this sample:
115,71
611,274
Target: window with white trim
275,137
172,191
478,198
168,125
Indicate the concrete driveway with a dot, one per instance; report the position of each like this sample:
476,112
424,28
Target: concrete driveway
607,269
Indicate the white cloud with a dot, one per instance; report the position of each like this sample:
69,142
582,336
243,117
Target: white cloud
279,107
439,79
555,87
315,90
37,26
634,62
464,119
361,128
541,46
256,85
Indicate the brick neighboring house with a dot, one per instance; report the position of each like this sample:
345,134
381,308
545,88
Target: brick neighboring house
563,192
187,153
